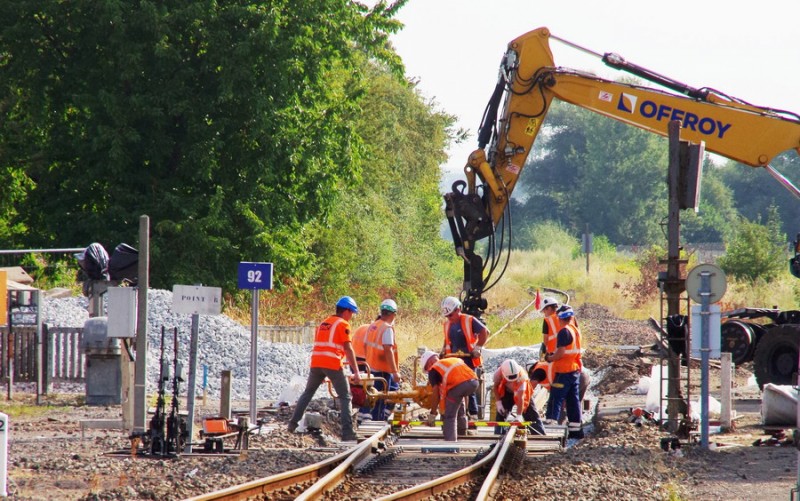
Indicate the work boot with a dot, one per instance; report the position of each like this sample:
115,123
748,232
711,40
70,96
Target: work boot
292,427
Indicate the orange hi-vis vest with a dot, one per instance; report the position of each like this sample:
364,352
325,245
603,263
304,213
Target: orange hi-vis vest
472,339
552,333
360,341
376,355
521,387
571,361
548,372
454,371
329,341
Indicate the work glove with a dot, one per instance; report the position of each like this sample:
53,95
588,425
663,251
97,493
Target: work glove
476,352
431,421
500,409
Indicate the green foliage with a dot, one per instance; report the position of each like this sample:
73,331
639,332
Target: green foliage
755,191
588,169
383,234
230,124
549,235
48,272
757,252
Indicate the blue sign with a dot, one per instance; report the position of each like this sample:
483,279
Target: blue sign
255,275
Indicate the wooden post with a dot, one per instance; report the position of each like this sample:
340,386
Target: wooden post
225,395
726,401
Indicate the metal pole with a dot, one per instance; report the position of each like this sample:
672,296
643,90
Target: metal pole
192,376
140,369
253,356
705,352
37,299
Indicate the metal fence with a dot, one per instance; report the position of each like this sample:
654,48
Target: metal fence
295,334
61,354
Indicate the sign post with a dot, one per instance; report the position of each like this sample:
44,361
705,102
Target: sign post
254,276
194,300
705,284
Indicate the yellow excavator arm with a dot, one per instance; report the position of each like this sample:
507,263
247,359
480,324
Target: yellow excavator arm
527,84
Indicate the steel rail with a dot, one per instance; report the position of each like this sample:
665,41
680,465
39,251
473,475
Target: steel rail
460,477
319,470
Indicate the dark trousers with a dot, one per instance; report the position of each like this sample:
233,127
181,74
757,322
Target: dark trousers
535,427
472,400
379,411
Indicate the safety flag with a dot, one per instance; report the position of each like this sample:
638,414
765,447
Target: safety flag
537,303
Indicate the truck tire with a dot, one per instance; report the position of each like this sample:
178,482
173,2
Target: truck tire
738,339
775,359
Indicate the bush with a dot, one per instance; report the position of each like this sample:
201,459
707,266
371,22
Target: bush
756,251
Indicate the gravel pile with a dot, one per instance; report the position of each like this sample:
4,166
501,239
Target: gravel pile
223,344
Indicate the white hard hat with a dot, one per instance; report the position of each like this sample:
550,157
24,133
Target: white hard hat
423,360
548,301
510,369
449,305
389,305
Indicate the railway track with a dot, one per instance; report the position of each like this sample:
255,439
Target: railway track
415,464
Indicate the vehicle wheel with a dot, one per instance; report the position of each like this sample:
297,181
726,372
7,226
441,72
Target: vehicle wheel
775,359
738,340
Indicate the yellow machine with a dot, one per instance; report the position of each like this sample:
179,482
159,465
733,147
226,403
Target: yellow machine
528,82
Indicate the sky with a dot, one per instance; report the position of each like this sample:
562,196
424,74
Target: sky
746,50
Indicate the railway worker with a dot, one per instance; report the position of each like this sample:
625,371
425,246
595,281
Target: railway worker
452,380
566,360
360,349
382,355
549,325
464,334
511,387
332,343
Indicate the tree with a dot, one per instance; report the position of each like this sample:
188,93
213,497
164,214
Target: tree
229,124
757,251
383,234
595,170
755,191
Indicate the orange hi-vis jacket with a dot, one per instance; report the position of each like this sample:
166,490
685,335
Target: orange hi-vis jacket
360,341
376,355
552,333
547,367
571,361
329,341
472,339
454,371
521,387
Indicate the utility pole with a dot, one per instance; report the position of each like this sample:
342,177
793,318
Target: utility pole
674,284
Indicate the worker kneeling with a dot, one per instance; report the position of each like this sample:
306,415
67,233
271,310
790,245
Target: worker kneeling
512,387
452,381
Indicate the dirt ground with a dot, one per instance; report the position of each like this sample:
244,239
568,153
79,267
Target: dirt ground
50,457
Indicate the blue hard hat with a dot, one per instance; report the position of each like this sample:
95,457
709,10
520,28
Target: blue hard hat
565,312
347,303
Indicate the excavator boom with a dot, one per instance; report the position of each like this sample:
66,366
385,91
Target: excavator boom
529,81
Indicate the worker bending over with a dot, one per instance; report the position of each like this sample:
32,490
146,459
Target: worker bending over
511,387
452,380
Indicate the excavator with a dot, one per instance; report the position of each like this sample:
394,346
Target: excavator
477,208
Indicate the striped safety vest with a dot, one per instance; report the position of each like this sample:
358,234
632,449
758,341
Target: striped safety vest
360,341
454,371
552,333
547,367
521,387
328,350
376,355
571,361
472,339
